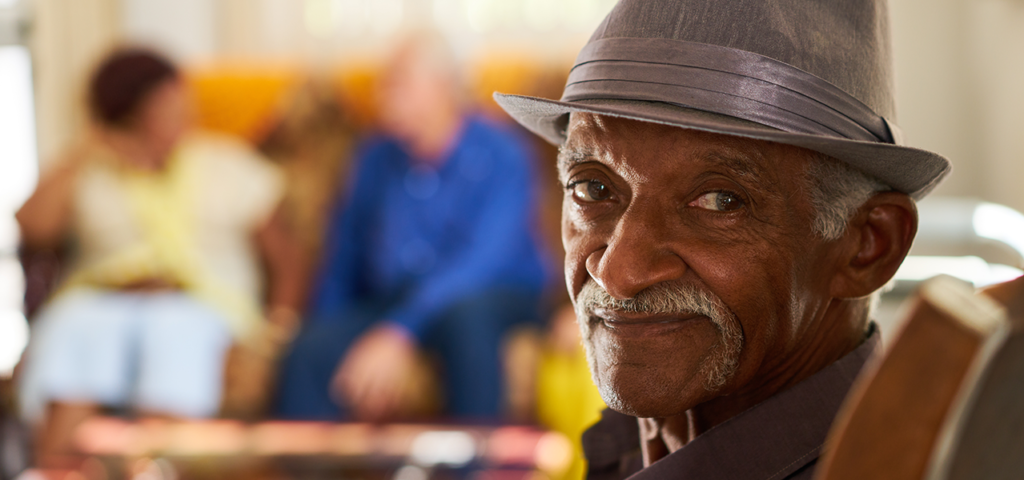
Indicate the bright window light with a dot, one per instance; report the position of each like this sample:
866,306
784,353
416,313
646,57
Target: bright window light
541,15
976,270
13,338
18,176
480,13
320,18
447,14
999,222
17,128
387,16
351,16
13,327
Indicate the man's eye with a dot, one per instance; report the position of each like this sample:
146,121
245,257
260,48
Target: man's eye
719,201
590,191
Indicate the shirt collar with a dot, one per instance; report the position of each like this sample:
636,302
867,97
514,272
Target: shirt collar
770,440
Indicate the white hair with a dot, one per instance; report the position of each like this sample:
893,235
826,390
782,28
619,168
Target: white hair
837,191
432,50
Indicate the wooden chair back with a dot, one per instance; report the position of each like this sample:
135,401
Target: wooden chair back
944,401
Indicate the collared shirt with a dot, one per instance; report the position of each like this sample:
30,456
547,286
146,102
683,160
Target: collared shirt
779,438
420,237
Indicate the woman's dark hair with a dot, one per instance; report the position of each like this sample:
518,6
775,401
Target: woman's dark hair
124,78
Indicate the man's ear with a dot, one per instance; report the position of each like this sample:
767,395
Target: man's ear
876,241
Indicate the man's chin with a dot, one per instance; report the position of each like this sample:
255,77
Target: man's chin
647,407
653,399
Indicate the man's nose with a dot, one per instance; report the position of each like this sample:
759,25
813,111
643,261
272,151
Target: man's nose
639,254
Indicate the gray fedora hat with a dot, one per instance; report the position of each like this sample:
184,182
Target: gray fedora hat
810,73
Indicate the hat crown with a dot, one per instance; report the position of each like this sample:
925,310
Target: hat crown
844,42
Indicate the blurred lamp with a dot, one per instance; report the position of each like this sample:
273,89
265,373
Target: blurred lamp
958,222
954,221
1000,223
918,268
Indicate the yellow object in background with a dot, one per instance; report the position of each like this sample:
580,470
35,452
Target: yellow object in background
240,99
567,400
243,97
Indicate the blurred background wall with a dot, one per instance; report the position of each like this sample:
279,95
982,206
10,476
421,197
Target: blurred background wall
959,63
959,71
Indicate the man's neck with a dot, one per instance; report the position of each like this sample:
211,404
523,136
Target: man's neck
838,333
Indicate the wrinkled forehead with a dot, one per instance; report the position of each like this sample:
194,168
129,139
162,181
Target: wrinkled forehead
632,143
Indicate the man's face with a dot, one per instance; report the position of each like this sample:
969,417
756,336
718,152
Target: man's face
691,260
410,93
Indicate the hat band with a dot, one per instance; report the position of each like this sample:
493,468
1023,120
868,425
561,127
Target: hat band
725,81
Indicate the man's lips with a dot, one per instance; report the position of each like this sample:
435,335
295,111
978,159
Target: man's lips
641,324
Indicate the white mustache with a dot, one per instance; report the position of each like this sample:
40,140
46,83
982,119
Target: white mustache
671,298
668,298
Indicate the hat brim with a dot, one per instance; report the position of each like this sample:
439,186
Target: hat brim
909,170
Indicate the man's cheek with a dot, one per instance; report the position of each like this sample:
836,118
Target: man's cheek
570,233
576,250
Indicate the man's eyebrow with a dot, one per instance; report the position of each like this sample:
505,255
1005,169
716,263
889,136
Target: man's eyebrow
739,163
569,157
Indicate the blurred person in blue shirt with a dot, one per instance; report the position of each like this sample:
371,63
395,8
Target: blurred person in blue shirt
433,249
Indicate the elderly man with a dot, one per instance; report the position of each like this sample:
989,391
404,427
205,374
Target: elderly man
734,196
432,250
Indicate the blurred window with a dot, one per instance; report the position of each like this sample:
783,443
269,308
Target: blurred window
18,174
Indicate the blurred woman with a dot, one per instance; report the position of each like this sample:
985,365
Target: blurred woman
167,226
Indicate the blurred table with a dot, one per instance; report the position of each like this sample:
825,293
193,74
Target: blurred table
224,449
